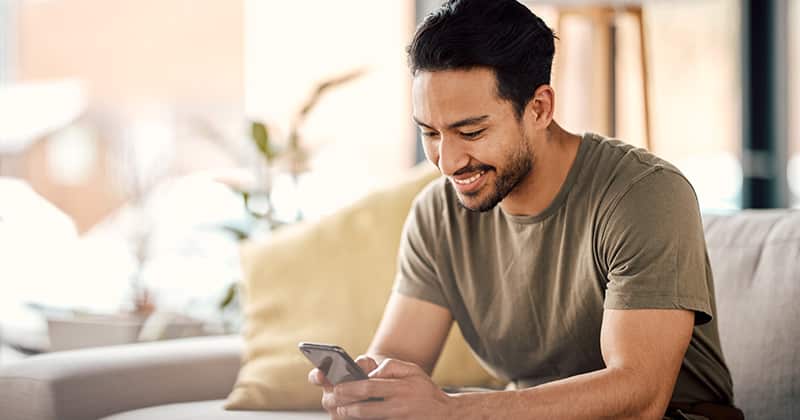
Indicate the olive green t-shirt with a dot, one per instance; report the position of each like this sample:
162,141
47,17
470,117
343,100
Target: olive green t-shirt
528,292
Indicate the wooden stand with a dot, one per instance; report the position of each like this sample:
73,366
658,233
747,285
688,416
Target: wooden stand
604,72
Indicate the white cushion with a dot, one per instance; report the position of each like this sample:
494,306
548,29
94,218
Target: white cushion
212,410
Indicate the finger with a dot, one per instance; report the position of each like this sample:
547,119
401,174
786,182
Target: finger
316,377
313,377
366,363
392,368
349,392
373,410
330,402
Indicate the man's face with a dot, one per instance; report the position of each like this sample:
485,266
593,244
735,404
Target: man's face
471,135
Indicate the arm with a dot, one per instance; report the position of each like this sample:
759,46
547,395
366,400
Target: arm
642,350
412,330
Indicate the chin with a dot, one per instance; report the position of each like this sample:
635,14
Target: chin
480,202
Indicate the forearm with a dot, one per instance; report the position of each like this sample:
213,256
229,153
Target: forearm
612,393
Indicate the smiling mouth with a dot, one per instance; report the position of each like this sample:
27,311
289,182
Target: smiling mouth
469,180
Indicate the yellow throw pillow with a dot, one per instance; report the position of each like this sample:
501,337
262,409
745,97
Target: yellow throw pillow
328,282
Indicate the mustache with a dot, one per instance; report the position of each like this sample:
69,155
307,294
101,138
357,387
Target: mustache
474,168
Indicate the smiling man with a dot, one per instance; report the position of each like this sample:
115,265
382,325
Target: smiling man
574,265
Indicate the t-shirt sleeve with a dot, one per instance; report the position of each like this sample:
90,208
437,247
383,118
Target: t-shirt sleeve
416,260
654,249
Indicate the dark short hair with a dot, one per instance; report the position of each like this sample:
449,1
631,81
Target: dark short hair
502,35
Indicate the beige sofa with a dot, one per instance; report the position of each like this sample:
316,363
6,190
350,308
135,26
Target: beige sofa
755,256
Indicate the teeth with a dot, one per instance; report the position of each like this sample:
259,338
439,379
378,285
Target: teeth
469,180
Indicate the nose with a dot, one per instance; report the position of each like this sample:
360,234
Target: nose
452,155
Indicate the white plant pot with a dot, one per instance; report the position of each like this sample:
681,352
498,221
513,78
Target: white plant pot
82,331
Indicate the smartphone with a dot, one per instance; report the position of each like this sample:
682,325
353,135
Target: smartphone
333,361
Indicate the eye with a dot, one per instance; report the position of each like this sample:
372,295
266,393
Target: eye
473,134
429,134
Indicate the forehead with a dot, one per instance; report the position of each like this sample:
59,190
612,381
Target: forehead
442,96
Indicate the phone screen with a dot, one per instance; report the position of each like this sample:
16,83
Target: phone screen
333,361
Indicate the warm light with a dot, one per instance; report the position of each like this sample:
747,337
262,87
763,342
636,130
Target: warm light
31,110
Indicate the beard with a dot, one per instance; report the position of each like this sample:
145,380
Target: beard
520,164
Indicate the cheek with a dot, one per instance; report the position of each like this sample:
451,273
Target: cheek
513,147
431,152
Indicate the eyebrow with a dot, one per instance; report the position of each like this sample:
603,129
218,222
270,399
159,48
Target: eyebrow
457,124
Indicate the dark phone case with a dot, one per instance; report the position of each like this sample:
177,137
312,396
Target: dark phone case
333,361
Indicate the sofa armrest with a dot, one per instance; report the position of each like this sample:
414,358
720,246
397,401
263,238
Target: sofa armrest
93,383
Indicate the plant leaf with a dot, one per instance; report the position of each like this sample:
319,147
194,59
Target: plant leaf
326,85
230,294
260,136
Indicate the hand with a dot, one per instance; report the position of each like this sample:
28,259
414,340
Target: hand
316,377
407,391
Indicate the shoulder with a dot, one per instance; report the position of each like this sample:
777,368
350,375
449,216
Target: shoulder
623,174
660,190
657,209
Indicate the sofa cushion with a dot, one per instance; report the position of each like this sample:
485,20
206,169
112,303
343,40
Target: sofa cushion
755,257
328,282
211,410
92,383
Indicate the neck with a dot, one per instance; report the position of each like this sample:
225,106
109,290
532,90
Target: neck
554,156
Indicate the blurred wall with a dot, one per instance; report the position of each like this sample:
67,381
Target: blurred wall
133,57
137,50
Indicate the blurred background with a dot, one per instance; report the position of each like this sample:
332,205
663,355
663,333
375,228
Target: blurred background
141,141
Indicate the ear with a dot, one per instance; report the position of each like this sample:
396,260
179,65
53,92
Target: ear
541,107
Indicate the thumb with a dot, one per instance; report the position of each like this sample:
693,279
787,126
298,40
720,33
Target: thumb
366,363
391,368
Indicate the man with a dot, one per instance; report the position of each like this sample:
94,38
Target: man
575,266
